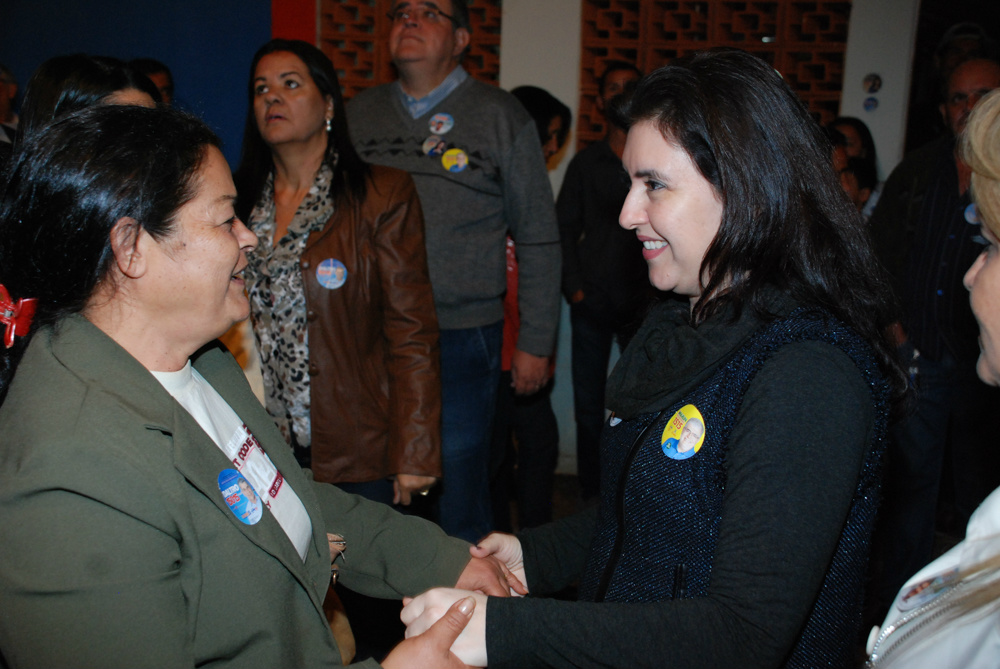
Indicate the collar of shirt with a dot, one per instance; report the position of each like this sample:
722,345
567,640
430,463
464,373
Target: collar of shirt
418,108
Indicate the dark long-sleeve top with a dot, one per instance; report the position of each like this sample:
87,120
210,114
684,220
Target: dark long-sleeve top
924,237
794,459
599,256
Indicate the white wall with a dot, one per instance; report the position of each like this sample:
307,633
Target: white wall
881,40
541,47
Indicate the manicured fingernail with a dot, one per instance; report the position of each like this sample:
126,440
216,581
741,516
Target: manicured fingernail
467,605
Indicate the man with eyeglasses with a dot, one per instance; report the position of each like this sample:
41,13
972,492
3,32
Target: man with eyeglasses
926,233
488,178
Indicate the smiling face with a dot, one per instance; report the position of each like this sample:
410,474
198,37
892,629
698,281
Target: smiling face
672,208
194,283
287,104
247,490
983,282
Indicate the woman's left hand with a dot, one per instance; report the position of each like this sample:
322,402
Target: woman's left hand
404,486
424,610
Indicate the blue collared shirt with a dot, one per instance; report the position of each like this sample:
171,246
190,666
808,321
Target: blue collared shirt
418,108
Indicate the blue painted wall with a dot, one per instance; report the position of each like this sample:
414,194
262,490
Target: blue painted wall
208,45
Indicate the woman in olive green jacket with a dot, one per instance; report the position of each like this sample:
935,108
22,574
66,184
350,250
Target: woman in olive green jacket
128,441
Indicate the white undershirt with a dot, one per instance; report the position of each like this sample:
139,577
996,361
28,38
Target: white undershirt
227,430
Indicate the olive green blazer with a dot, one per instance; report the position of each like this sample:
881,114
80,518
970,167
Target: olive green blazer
117,548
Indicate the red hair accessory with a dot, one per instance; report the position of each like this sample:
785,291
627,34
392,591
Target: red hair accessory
16,318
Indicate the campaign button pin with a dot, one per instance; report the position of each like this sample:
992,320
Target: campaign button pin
455,160
240,497
331,274
684,433
441,123
928,589
434,146
972,214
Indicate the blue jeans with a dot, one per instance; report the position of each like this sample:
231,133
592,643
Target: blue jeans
470,372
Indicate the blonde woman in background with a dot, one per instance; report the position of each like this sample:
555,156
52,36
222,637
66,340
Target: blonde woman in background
948,614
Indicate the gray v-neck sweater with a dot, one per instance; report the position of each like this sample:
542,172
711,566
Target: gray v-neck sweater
504,189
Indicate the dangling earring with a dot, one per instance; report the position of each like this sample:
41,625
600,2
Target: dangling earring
329,125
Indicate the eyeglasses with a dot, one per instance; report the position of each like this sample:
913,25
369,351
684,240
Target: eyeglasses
423,14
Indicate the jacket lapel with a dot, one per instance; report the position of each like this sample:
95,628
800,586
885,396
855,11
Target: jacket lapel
100,361
200,461
212,363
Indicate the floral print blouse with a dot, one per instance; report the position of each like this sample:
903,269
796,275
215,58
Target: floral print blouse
278,304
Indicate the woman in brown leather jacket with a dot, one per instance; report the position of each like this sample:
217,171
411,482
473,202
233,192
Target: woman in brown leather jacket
341,300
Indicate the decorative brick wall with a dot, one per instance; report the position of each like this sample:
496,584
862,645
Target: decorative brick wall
805,41
355,35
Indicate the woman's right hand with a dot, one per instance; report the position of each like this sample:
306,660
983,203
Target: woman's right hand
432,648
404,486
507,549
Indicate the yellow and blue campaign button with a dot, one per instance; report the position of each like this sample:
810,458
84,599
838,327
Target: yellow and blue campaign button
455,160
683,434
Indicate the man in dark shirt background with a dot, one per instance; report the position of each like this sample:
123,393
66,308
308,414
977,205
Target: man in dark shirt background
927,235
604,275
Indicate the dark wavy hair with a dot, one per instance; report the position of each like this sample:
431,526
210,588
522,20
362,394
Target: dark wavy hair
864,134
786,222
543,107
68,186
65,84
348,184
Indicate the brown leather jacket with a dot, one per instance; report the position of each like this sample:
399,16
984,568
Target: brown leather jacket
374,361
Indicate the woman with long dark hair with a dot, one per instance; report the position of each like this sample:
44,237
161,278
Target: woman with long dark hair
747,546
341,300
860,146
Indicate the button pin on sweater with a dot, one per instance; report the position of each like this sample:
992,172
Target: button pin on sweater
441,123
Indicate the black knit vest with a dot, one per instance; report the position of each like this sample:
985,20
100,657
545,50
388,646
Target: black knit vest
637,556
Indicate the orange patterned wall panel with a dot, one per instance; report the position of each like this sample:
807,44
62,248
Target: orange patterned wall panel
355,35
805,41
